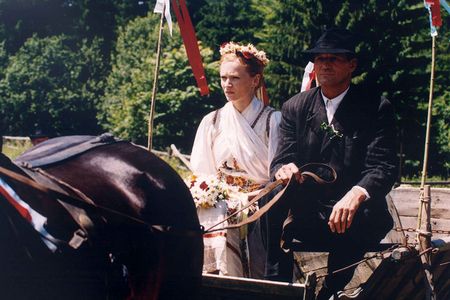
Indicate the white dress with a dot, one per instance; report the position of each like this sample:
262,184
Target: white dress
238,147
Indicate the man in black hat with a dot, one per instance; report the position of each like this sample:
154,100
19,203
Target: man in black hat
352,131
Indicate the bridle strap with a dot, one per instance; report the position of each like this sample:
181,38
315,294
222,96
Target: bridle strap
75,201
271,186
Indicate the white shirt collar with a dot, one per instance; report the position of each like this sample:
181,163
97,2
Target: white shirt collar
333,104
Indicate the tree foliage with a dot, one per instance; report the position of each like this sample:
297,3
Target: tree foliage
227,20
393,58
80,19
179,107
52,84
97,41
3,59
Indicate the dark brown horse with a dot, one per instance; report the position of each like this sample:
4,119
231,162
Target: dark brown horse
140,237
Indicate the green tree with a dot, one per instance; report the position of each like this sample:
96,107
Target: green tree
20,20
285,34
179,107
227,20
288,31
80,19
441,112
3,59
52,83
194,7
103,18
393,56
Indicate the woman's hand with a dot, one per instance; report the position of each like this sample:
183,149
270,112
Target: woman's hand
287,171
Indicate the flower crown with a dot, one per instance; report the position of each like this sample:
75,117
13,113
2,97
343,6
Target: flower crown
247,51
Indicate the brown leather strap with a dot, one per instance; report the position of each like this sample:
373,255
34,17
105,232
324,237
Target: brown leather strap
61,196
94,207
216,114
258,214
257,117
261,194
268,122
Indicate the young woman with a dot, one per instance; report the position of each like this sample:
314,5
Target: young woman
237,143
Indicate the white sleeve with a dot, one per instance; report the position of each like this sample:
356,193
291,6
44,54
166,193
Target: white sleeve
363,190
202,157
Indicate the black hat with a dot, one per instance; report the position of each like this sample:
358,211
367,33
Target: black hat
334,40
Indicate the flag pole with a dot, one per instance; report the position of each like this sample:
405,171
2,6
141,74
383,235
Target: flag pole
424,215
430,104
427,134
155,85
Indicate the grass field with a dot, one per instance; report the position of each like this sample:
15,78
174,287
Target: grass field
13,148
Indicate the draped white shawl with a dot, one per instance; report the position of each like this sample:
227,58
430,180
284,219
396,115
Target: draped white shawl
232,136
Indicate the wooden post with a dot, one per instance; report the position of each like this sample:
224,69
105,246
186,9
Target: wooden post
310,286
400,161
427,135
181,157
424,239
424,229
155,85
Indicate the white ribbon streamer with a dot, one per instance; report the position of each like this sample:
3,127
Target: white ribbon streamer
306,76
164,5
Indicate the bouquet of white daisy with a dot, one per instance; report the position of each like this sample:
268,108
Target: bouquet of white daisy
206,190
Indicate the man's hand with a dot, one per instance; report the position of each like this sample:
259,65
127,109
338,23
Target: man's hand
343,211
287,171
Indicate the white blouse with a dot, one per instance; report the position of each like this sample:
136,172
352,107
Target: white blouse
230,136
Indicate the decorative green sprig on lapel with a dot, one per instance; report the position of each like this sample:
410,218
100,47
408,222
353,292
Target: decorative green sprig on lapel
330,129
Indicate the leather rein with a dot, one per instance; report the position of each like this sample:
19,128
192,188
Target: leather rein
266,190
88,204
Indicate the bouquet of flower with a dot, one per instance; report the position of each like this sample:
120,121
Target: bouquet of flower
206,190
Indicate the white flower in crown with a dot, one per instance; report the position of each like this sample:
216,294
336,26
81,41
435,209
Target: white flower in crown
246,50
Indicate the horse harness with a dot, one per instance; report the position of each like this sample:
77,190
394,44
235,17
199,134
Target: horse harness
267,189
81,208
84,205
85,213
